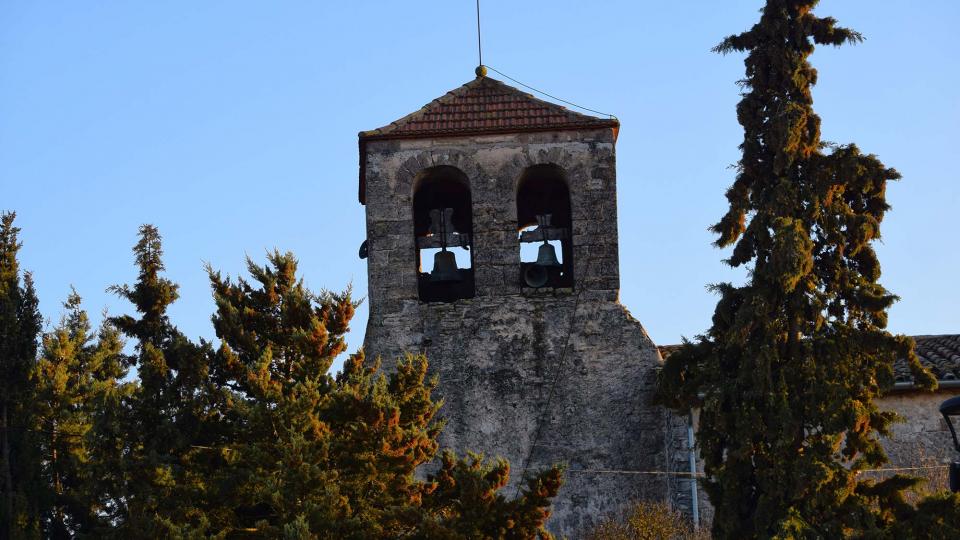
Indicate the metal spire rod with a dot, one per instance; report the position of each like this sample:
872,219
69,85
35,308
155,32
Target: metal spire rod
479,47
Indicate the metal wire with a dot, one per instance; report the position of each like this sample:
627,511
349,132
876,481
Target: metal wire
528,87
701,475
619,471
553,387
895,469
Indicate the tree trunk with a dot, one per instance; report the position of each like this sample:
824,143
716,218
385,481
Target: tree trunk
7,475
57,486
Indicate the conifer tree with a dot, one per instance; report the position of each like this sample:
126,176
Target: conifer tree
77,369
107,487
20,324
466,502
316,456
788,373
164,491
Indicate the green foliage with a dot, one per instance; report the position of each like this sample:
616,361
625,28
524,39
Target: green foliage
466,502
318,456
647,520
77,371
253,440
20,323
163,491
787,374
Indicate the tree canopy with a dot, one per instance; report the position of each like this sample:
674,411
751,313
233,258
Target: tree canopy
787,375
254,438
20,324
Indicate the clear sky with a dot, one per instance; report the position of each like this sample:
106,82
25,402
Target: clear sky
232,126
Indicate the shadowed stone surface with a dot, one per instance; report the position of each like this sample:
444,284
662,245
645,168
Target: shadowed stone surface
922,439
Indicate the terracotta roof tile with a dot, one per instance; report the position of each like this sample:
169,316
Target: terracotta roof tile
940,354
485,105
667,350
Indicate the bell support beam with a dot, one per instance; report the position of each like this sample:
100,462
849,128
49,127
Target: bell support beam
454,239
537,235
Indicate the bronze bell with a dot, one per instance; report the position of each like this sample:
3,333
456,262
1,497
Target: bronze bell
538,274
444,267
547,256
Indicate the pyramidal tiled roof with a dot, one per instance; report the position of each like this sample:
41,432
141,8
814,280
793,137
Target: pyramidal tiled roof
940,354
486,105
481,106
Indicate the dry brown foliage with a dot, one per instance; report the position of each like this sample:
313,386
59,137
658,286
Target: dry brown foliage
647,520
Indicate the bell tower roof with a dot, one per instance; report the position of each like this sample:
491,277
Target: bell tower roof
486,105
482,106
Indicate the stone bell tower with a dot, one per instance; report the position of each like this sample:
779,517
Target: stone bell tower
492,248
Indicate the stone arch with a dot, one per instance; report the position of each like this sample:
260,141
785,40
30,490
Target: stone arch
421,161
442,208
545,226
571,165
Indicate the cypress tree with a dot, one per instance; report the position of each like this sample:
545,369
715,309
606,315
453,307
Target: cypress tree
788,372
76,370
166,417
20,324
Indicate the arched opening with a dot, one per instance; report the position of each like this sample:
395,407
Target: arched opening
545,228
443,226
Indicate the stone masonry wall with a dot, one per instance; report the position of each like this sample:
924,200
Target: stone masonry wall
536,376
922,439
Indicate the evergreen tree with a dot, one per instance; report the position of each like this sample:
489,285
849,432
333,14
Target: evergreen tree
788,373
166,418
20,324
466,502
76,370
108,440
264,444
316,456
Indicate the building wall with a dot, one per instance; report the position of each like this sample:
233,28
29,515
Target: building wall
680,481
535,376
922,439
921,443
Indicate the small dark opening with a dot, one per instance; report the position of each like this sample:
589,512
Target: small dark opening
443,227
544,219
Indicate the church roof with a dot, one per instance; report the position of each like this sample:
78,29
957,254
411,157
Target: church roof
482,106
940,354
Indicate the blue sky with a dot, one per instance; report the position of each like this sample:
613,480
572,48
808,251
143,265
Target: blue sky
232,127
